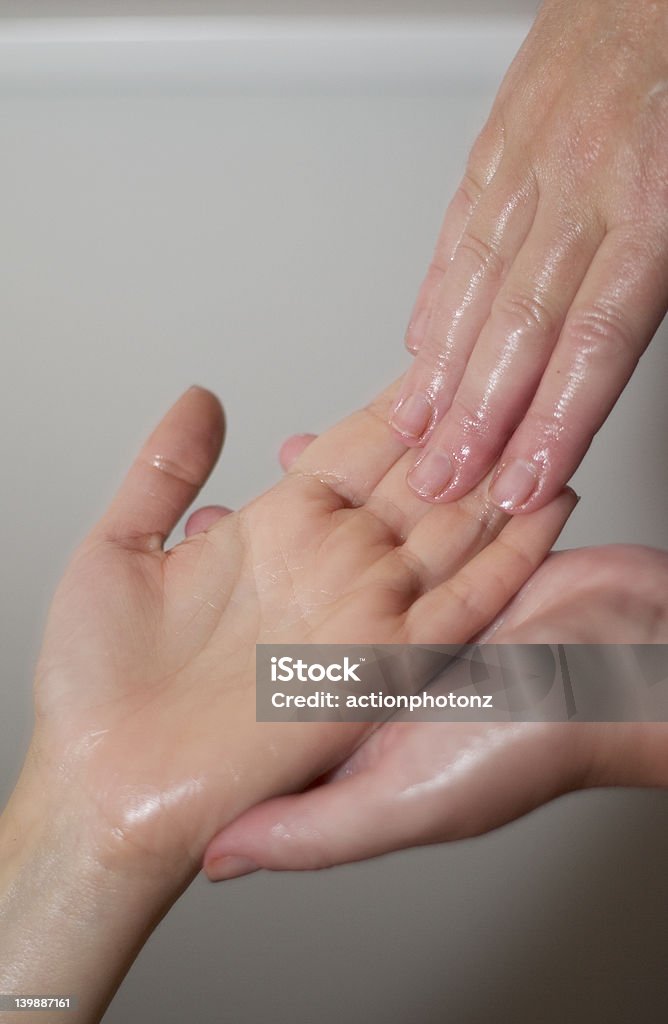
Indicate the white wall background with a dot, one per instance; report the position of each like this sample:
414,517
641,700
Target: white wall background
241,213
280,8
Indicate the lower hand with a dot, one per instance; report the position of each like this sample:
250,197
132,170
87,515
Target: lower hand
145,742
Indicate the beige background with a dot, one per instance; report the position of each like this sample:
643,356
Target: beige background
268,242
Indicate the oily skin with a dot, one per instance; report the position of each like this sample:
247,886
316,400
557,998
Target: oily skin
414,783
550,274
145,742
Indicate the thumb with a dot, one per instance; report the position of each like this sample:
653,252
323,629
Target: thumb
349,819
167,474
408,785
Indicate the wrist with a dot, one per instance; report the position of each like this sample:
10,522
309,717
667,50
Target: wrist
72,919
55,821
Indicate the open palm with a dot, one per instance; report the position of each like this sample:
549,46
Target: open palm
145,689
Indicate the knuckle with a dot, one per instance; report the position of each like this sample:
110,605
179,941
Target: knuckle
435,271
652,112
545,432
518,556
417,573
470,418
466,597
486,258
486,151
521,312
172,470
656,98
470,188
601,329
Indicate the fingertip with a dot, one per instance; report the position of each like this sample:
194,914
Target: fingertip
221,869
207,404
410,344
165,477
199,419
432,474
566,499
292,448
199,388
205,517
548,509
413,416
542,493
572,500
514,483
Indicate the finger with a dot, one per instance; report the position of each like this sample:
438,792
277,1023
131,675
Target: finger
457,216
419,783
347,820
205,517
434,538
167,474
291,449
492,238
438,546
588,594
616,311
395,505
627,582
509,358
353,456
418,325
483,163
471,598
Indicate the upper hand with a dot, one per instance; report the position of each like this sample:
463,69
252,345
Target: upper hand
550,274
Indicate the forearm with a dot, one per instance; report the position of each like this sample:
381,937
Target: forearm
69,925
80,892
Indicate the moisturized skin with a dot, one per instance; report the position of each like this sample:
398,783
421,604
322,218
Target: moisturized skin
414,783
550,274
145,742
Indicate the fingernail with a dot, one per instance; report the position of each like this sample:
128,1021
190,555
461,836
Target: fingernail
416,329
514,484
412,415
230,867
431,474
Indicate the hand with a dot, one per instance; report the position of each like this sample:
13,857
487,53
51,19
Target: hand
550,275
411,784
145,690
145,742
